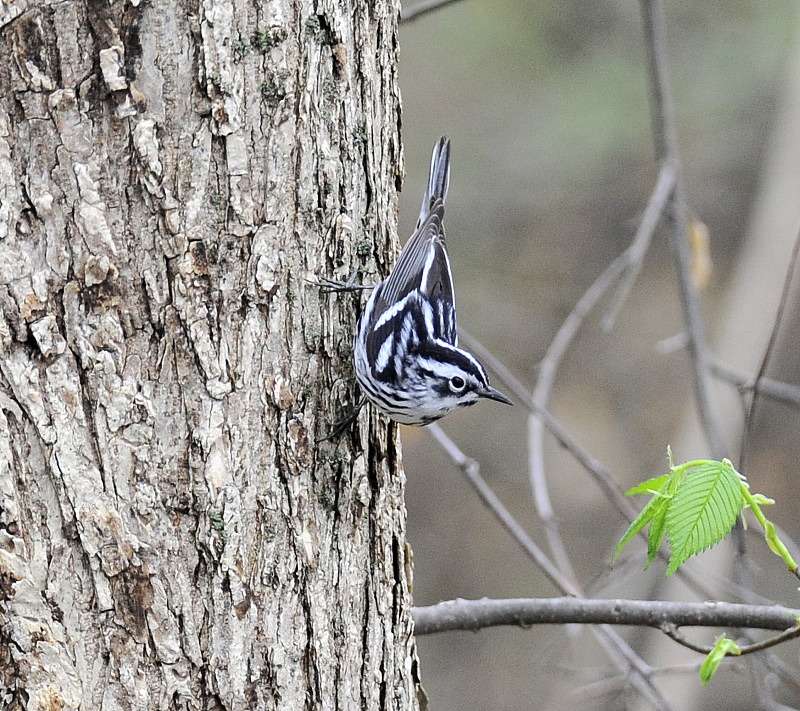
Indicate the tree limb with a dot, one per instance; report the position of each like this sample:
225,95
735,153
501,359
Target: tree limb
523,612
638,672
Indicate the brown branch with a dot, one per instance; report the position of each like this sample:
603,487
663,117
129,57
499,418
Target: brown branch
633,256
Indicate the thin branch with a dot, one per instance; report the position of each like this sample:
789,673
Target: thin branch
785,636
671,630
523,612
471,470
622,655
633,256
594,467
666,144
407,14
601,475
773,339
628,263
631,259
766,387
642,677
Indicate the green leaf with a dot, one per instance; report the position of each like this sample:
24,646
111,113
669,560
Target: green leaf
657,506
769,534
722,648
658,527
649,486
702,511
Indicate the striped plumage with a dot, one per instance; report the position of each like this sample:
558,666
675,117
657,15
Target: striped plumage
407,358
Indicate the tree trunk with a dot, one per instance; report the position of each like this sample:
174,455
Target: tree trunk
172,535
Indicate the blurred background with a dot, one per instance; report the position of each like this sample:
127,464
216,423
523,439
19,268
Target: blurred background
547,107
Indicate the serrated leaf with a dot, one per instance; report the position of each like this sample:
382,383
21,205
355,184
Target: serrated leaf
649,486
702,511
655,507
658,527
722,648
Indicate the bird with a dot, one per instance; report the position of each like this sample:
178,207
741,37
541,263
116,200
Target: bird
406,353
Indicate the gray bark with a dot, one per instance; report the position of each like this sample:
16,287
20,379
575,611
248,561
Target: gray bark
171,535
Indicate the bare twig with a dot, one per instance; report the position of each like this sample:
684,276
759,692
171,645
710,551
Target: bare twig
666,144
633,256
767,387
601,475
622,655
407,14
471,470
671,630
628,263
523,612
785,636
627,661
773,339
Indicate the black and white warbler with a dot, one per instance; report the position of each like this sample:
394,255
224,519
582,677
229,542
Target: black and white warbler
407,358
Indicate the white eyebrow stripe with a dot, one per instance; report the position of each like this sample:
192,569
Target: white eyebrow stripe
466,354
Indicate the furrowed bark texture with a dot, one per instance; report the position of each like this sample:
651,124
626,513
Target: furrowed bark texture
172,175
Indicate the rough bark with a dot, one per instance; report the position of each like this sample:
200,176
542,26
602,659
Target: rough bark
171,534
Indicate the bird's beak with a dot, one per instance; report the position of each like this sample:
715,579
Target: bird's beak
493,394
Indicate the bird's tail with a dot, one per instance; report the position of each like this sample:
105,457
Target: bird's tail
438,177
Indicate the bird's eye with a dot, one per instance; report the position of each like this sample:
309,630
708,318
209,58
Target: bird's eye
457,383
